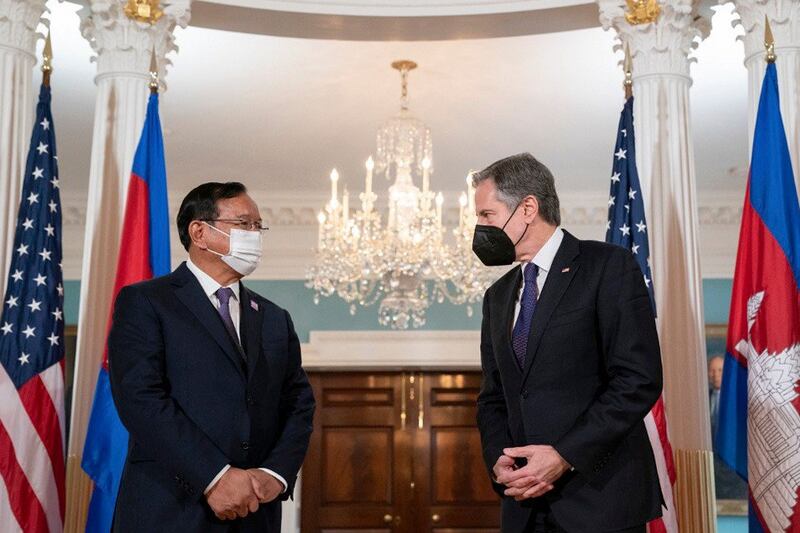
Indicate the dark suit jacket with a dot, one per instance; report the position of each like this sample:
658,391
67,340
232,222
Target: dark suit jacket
192,405
592,372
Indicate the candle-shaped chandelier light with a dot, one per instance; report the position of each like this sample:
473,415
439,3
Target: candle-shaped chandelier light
402,262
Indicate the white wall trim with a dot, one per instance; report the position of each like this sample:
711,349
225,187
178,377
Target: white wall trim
392,350
291,215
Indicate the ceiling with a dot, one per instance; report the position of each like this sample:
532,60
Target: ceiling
406,8
279,112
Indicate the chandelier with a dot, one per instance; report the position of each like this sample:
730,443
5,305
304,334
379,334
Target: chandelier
404,262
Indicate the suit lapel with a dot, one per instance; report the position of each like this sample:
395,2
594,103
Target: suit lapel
252,319
505,302
558,279
189,291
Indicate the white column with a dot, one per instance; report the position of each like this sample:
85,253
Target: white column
784,19
123,47
665,160
18,22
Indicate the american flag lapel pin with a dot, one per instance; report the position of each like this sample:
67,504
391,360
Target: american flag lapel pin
254,305
564,270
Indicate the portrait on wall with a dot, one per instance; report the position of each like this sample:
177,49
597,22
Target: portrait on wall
731,490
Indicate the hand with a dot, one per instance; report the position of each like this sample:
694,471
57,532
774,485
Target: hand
233,495
266,487
545,466
504,465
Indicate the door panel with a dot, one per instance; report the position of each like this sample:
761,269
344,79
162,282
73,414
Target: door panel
359,458
455,494
396,452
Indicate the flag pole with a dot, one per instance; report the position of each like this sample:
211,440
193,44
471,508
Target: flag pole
628,67
153,73
47,60
769,42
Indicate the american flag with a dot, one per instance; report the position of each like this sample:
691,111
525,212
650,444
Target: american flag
627,227
32,348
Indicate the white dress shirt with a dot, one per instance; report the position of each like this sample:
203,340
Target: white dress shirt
210,288
544,260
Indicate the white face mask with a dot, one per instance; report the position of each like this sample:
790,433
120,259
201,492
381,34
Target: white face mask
245,250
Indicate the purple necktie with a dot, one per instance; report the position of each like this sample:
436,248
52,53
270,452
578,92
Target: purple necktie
224,294
527,305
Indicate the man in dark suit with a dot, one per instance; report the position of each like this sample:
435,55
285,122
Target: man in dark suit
207,378
571,365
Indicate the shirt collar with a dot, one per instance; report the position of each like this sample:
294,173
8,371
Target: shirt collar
547,253
209,285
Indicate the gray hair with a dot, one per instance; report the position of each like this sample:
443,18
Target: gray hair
522,175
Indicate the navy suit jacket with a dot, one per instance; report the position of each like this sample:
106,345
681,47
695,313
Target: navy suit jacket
592,372
192,404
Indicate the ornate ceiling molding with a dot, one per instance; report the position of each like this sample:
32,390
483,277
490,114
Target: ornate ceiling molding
293,210
206,14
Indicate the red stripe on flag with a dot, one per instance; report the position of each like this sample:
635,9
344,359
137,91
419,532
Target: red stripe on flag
660,417
24,504
44,417
656,526
133,264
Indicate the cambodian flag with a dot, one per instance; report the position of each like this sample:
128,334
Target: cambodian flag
759,412
144,253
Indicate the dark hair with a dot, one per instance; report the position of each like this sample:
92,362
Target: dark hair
522,175
201,204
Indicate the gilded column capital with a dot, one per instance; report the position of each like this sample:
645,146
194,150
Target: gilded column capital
123,45
662,47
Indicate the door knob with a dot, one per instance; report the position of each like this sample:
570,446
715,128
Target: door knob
435,518
388,518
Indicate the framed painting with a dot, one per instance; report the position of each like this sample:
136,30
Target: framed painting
730,488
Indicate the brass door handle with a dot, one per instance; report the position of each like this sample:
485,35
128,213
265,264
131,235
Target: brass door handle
388,518
435,518
403,414
421,415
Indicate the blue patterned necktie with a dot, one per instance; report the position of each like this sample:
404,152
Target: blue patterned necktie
527,305
224,294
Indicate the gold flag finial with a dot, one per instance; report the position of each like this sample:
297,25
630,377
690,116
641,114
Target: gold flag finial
153,72
769,41
47,60
628,66
143,10
642,11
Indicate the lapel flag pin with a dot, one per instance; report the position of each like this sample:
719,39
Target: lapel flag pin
254,305
565,270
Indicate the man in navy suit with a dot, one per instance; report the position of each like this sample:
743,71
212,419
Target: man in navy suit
571,365
207,378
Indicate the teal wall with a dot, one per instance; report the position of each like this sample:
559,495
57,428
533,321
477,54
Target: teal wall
732,524
333,313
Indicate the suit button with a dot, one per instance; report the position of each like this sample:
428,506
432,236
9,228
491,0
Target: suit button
524,394
245,445
250,400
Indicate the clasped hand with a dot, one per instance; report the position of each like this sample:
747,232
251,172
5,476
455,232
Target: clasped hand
239,492
545,465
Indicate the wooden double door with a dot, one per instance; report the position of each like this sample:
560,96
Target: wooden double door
396,452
